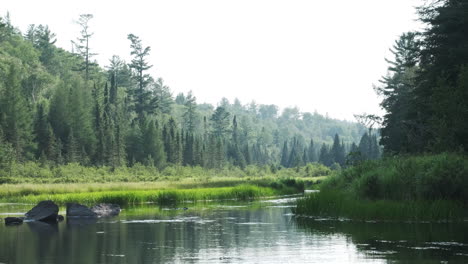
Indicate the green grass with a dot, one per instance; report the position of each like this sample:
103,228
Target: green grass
336,204
414,188
30,182
169,196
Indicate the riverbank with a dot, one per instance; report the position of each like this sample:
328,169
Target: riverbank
416,188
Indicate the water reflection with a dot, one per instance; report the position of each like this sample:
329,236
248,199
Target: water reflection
223,233
399,242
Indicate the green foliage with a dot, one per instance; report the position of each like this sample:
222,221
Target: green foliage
58,107
427,187
341,205
425,93
429,177
15,117
161,197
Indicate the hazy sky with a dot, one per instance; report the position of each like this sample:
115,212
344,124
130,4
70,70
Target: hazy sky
316,55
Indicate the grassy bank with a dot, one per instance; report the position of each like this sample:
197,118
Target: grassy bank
32,182
163,197
422,188
164,192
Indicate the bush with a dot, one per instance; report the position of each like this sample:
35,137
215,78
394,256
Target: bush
427,177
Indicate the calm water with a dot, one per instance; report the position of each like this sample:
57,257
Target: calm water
258,232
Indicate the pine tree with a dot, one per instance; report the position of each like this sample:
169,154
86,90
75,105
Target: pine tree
311,152
337,151
324,156
285,155
15,116
73,151
236,154
41,130
143,101
220,119
82,44
153,148
190,115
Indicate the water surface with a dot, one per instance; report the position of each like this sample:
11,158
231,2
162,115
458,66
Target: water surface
229,232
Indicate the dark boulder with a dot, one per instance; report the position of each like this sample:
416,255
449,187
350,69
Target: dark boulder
13,220
79,210
104,209
43,211
60,218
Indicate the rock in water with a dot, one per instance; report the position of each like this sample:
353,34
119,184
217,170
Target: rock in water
79,210
43,211
104,209
60,218
13,220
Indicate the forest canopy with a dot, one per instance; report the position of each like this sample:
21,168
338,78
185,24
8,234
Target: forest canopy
60,107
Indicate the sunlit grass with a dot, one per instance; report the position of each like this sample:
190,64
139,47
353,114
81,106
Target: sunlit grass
167,196
415,188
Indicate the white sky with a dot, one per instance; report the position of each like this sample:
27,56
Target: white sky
316,55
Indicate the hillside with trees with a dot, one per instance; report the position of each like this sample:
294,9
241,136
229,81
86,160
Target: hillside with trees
59,107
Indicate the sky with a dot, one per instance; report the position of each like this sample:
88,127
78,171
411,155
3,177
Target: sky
322,56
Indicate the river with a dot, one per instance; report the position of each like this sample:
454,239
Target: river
228,232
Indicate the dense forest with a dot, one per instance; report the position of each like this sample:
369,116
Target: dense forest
426,90
59,107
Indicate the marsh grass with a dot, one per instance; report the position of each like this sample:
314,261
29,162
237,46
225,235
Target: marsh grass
31,182
413,188
340,205
162,197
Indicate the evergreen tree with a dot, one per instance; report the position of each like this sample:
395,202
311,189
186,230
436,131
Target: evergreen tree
220,119
311,152
337,151
82,44
15,116
235,152
143,101
399,124
285,155
153,148
325,157
73,151
190,115
41,130
162,97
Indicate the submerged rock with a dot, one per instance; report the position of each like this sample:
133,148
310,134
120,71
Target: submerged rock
104,209
79,210
13,220
43,211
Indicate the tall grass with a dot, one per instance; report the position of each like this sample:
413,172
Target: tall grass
336,204
169,196
427,187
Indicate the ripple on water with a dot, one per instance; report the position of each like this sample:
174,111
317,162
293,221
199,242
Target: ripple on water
196,220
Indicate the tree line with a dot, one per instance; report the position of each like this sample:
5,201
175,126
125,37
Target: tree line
426,90
61,107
